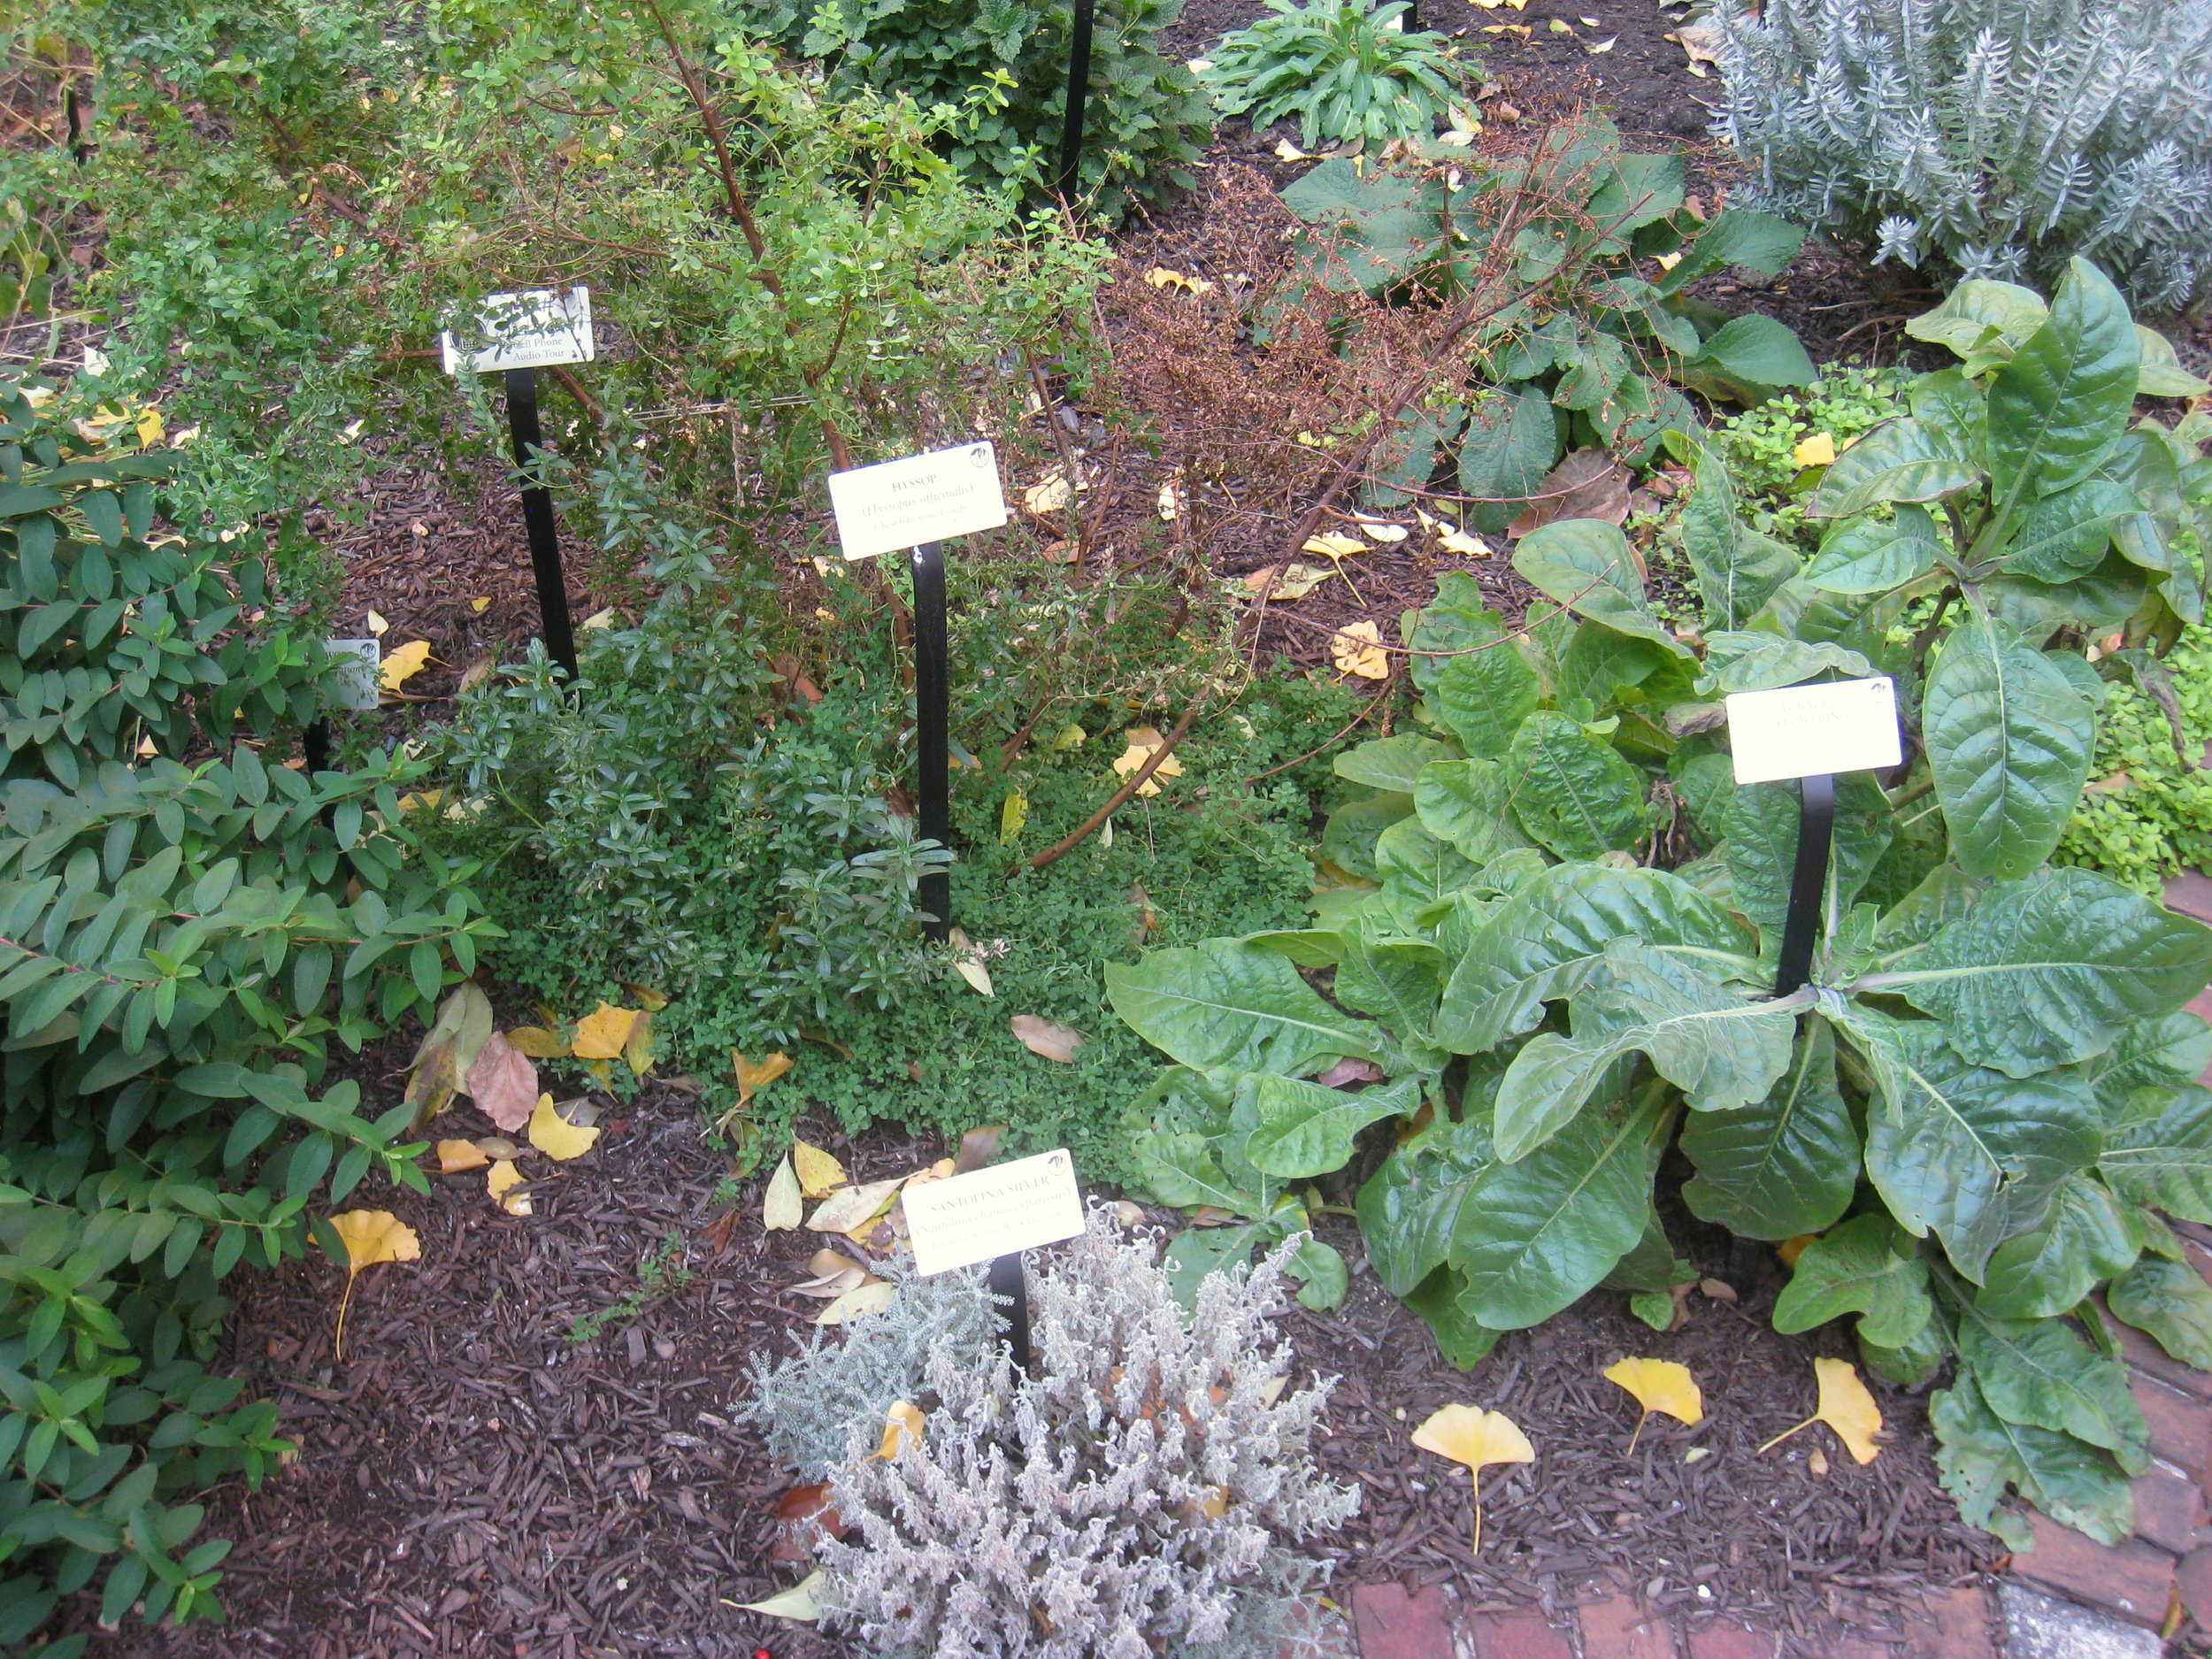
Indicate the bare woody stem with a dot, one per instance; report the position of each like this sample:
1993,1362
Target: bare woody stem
1114,802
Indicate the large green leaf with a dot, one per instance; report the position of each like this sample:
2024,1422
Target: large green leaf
1979,1454
1786,1166
1379,225
2172,1301
1747,356
1749,660
1533,1236
2058,407
1978,313
1222,1003
1463,1341
1721,1050
1348,839
1586,565
2010,741
1901,460
1171,1129
2165,1160
1390,762
1738,568
2053,969
1305,1130
1417,867
1466,803
1484,693
1867,1266
1969,1153
2066,535
1759,242
1545,940
2170,1051
1397,981
1867,555
1512,440
2037,1371
1410,1207
2087,1239
1572,792
1761,822
1458,617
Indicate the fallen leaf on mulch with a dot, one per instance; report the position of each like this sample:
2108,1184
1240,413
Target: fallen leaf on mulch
853,1303
537,1043
371,1236
1294,581
817,1172
1588,484
781,1207
797,1602
403,664
1658,1385
504,1084
504,1175
1046,1040
751,1078
1357,648
1846,1407
456,1155
1469,1435
555,1136
802,1515
601,1034
851,1210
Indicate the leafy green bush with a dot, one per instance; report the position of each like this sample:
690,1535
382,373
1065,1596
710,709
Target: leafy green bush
182,939
1995,137
1987,1089
1593,372
1000,74
1344,68
2147,812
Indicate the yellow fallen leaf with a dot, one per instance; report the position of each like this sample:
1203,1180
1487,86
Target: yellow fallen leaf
377,625
851,1210
456,1156
537,1043
403,664
903,1422
150,429
497,1147
1294,581
599,619
752,1077
868,1299
1380,530
817,1172
369,1236
1288,151
1169,502
1459,541
637,1047
781,1207
1817,450
1049,493
1605,45
967,962
1335,545
1666,261
798,1602
1846,1407
502,1175
1469,1435
601,1033
556,1137
1012,817
1143,740
479,605
1658,1385
1160,277
1071,737
1357,648
1046,1040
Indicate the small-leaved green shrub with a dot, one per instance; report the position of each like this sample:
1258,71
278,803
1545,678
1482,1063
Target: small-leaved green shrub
1997,137
1552,942
186,930
1595,370
2148,811
1346,68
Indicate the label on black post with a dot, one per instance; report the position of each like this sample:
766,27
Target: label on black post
358,683
535,329
921,498
1814,731
964,1219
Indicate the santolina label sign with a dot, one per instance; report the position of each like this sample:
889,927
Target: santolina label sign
922,498
1814,731
964,1219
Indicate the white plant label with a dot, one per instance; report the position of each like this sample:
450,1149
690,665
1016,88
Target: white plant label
922,498
360,669
533,329
964,1219
1814,731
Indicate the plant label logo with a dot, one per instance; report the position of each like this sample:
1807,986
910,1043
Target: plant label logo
922,498
533,329
1814,731
964,1219
360,667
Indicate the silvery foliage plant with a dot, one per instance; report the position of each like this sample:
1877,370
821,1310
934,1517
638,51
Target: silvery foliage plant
2000,136
1134,1495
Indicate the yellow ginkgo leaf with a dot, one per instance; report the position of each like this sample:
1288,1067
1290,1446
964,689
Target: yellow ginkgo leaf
456,1156
404,664
1334,544
1381,530
555,1136
781,1207
377,625
1817,450
1459,541
752,1078
903,1422
1290,581
1012,817
817,1172
1469,1435
601,1033
502,1176
1659,1385
1143,740
1846,1407
369,1236
1049,494
480,605
1357,649
798,1602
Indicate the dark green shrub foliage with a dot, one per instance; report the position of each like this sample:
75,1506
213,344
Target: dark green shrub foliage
181,941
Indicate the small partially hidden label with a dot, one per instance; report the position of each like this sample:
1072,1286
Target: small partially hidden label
356,675
922,498
533,329
1814,731
964,1219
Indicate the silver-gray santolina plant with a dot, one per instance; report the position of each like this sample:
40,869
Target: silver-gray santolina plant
1137,1493
2002,136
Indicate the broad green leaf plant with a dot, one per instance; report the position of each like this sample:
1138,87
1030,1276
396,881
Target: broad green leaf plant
1347,69
1548,934
1593,356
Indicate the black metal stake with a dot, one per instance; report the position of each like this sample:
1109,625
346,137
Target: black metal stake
315,742
1007,1288
932,727
537,519
1410,19
1079,96
1808,879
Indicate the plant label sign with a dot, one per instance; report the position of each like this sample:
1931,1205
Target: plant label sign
1814,731
533,329
1002,1210
360,679
922,498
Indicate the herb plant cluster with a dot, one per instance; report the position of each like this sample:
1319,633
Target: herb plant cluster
1347,69
1551,942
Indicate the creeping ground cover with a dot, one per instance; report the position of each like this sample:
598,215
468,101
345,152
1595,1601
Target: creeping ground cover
1544,952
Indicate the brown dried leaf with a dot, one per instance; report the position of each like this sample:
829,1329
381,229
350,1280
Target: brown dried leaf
504,1084
1046,1040
978,1147
752,1078
1588,484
